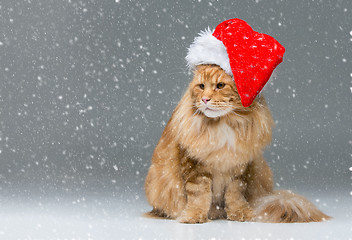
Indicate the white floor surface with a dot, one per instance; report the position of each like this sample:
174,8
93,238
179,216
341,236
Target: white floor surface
99,217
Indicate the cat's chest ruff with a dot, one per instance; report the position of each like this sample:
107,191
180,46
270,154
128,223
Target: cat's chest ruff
217,146
220,136
217,140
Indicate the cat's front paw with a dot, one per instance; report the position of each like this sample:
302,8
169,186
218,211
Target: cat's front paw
242,214
193,216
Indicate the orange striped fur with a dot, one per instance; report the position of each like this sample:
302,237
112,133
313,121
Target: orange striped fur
209,163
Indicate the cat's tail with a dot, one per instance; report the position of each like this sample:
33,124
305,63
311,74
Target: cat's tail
286,207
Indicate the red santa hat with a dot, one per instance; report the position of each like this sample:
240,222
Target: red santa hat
246,55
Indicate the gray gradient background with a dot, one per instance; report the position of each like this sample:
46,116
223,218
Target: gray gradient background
87,87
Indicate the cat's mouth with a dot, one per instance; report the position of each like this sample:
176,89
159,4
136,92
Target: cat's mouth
213,112
211,109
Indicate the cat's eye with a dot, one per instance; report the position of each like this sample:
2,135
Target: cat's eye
220,85
201,86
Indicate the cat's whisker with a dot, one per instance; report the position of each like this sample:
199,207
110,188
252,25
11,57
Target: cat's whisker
239,115
196,112
243,110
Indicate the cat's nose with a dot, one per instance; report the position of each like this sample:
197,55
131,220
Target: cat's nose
205,100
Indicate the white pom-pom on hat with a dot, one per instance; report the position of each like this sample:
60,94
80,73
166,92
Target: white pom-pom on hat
207,49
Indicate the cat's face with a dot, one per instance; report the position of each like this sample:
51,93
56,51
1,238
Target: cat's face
214,92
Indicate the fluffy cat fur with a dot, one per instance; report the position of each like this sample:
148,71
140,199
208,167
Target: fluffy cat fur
209,161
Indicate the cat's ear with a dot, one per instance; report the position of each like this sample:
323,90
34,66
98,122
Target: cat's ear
199,68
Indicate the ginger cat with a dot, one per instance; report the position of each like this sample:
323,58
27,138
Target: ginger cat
209,161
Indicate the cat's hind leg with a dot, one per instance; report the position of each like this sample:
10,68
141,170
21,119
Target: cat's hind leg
165,191
259,180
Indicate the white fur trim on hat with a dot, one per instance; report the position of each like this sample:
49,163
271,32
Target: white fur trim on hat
207,49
